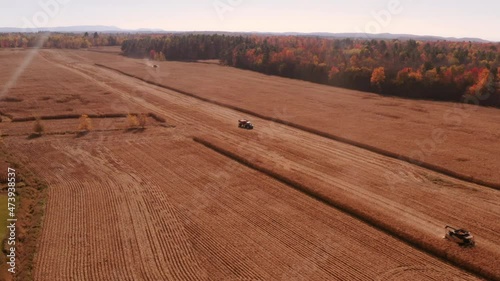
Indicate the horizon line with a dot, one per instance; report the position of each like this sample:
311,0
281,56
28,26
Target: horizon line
114,28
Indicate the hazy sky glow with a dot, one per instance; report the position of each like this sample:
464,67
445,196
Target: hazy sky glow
422,17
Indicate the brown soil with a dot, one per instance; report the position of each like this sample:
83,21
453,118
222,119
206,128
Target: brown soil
155,205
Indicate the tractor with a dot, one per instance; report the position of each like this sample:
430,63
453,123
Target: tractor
460,236
245,124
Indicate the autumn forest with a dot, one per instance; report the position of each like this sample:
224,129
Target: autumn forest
441,70
452,71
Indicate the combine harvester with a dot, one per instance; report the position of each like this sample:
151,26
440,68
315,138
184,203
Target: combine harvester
245,124
460,236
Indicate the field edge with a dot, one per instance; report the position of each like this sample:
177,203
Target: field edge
31,199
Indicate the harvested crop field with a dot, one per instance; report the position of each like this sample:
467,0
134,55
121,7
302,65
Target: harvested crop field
193,197
129,213
459,137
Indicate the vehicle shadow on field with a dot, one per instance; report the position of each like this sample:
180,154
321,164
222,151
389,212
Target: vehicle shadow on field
34,136
81,134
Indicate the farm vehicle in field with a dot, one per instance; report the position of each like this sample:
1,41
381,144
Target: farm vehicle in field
460,236
245,124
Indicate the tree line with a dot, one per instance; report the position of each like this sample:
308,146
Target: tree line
61,40
441,70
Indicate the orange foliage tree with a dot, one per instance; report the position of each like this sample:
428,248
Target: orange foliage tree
483,85
378,77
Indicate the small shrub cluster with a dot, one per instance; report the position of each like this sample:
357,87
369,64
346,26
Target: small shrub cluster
135,121
38,127
85,123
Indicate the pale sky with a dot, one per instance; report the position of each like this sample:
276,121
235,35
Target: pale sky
458,18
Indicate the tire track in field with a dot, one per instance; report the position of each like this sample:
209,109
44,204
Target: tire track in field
135,153
148,161
163,215
90,211
88,229
143,201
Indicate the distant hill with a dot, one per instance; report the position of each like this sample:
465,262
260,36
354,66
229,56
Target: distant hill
388,36
79,29
114,29
393,36
379,36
